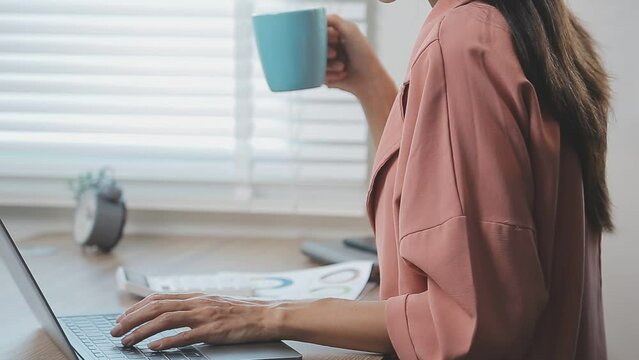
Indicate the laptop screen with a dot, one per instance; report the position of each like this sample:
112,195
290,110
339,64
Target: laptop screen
10,254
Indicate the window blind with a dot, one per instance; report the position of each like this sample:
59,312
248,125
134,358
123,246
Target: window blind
171,96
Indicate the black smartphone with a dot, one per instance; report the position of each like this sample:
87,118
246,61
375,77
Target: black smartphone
365,243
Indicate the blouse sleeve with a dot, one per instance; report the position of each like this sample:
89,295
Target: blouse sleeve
465,212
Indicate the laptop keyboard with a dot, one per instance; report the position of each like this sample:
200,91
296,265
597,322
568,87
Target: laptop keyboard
94,332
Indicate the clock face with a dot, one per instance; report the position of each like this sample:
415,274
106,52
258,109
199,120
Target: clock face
85,216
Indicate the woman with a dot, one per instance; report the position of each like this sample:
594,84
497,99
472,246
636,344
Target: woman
488,198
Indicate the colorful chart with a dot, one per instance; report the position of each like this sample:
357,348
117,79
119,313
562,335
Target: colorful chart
345,281
270,283
341,276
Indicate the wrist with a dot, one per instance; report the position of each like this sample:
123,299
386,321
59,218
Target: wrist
290,320
275,320
379,86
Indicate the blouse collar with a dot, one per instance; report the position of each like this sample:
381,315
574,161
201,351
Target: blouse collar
442,6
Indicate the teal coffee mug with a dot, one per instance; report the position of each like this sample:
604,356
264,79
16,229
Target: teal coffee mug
292,48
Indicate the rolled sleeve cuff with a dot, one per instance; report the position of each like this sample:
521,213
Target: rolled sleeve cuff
397,326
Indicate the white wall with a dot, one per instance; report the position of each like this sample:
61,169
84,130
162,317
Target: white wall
395,30
613,24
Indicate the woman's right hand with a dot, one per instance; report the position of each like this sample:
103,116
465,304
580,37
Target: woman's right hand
353,66
352,63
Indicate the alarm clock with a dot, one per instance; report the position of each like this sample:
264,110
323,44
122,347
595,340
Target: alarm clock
100,215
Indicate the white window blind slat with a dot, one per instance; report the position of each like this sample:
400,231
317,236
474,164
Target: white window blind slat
170,94
315,131
204,26
125,124
311,173
124,144
314,152
338,133
167,169
208,27
117,104
308,110
121,7
110,84
17,63
109,44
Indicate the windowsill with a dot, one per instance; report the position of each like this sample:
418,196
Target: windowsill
187,197
25,221
225,208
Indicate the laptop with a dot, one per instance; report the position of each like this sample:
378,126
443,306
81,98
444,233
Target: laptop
87,337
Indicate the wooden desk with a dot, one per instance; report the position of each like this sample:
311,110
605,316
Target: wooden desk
75,282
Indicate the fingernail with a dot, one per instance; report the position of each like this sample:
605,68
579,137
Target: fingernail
155,345
127,341
116,330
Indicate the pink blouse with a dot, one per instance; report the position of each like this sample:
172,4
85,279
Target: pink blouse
478,207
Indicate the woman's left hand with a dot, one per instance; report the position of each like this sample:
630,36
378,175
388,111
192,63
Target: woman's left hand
211,319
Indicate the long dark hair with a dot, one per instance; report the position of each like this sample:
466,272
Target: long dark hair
559,58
